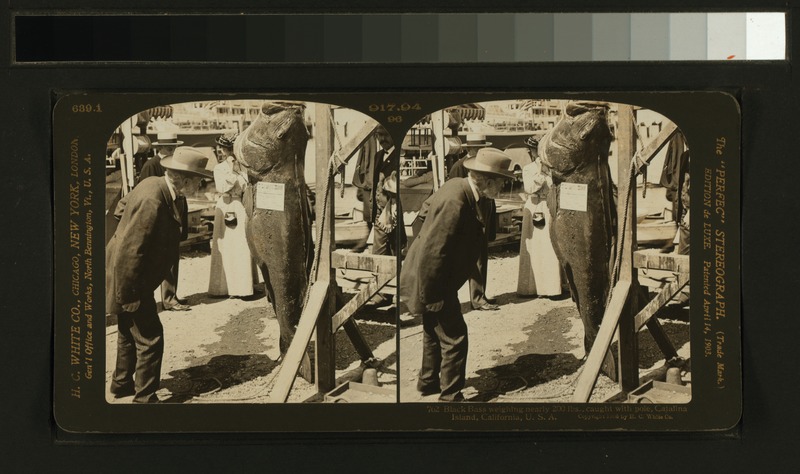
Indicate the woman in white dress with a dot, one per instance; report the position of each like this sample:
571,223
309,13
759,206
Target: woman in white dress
232,267
539,269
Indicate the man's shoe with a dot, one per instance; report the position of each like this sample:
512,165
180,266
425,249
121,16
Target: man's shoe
458,397
426,390
178,307
123,392
487,307
491,299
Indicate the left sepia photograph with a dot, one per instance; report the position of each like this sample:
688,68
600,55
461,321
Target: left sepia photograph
230,226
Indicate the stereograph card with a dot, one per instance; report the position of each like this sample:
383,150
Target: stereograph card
447,227
231,362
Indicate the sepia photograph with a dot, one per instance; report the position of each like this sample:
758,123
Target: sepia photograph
439,261
533,228
223,220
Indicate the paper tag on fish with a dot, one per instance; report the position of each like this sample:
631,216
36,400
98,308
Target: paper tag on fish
573,196
270,196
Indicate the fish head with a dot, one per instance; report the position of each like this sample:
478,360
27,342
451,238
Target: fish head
579,138
277,137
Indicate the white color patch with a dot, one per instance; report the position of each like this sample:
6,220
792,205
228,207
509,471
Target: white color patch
573,196
766,36
270,196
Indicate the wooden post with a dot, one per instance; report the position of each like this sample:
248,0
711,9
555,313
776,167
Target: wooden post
126,158
626,233
437,127
611,317
325,352
318,296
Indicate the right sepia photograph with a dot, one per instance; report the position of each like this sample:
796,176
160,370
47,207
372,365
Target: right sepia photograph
546,256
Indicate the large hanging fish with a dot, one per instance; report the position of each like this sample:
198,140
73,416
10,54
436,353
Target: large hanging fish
279,226
582,209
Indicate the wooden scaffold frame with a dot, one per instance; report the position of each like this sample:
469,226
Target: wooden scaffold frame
624,314
320,316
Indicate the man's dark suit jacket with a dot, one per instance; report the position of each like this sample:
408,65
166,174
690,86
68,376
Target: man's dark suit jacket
145,245
382,167
488,206
442,258
151,167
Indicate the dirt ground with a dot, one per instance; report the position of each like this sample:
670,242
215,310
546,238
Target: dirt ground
225,350
531,349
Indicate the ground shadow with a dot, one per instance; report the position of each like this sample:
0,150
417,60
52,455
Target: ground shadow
525,371
219,373
373,334
649,352
543,356
512,298
205,298
237,357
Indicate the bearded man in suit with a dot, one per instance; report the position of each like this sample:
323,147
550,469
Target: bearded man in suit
441,259
477,282
138,258
164,148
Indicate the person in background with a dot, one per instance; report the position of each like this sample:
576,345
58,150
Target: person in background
683,248
477,282
441,259
139,256
164,147
539,268
232,267
375,170
388,224
385,165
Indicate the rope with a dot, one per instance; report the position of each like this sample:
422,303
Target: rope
624,219
261,393
320,226
637,158
512,395
337,159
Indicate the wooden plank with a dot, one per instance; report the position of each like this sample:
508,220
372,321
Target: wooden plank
291,360
325,348
591,369
126,158
655,260
438,121
350,147
359,300
626,234
359,343
663,297
361,261
651,149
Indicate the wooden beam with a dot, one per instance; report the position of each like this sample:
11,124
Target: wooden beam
661,339
654,260
438,124
318,294
651,149
349,308
591,369
359,343
663,297
350,147
626,234
126,158
325,349
360,261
